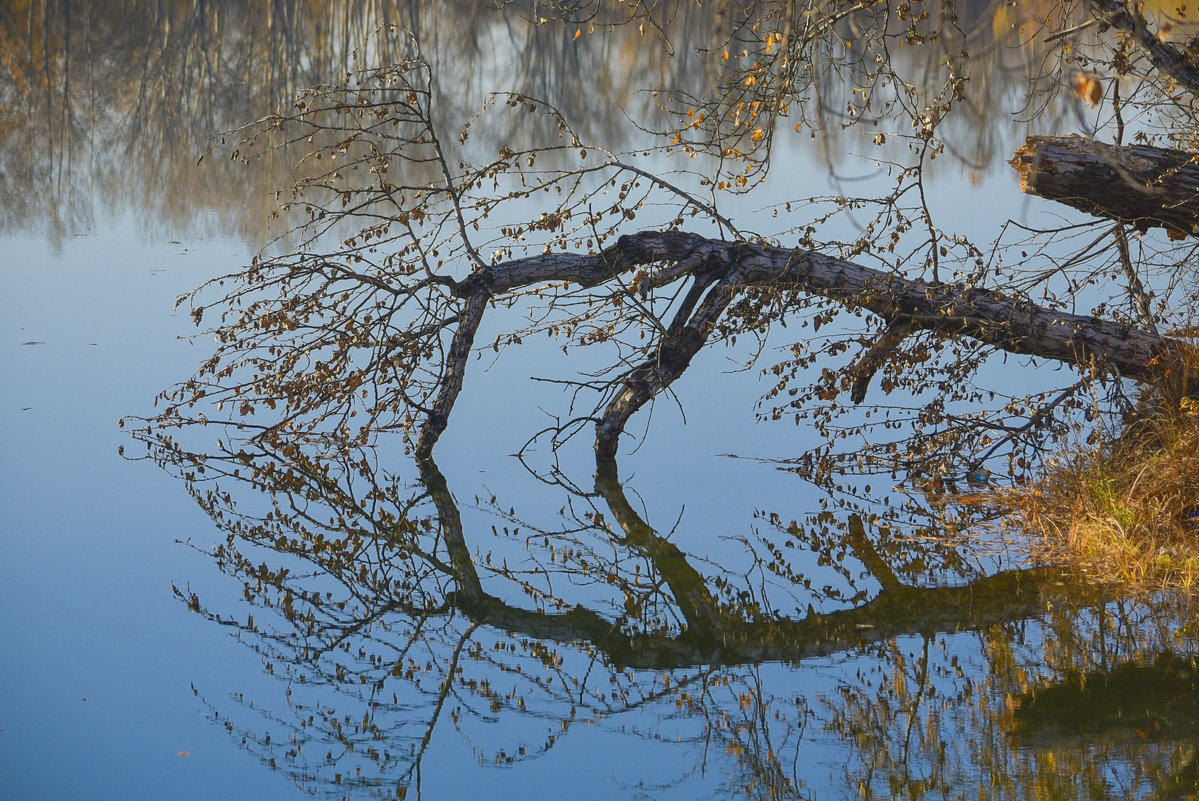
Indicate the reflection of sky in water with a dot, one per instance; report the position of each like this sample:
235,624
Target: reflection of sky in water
88,551
87,544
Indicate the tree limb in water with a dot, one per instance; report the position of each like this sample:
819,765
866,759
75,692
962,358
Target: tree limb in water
1166,58
370,322
721,269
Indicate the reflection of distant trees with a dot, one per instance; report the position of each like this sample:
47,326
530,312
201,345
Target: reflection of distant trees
116,99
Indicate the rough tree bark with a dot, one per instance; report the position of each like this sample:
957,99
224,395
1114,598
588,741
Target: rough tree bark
721,268
1165,57
1138,184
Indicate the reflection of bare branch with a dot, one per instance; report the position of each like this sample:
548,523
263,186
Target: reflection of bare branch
690,590
864,550
428,615
712,636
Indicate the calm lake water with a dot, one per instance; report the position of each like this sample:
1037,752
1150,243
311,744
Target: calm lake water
491,634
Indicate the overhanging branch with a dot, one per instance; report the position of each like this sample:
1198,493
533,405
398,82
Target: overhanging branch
1012,324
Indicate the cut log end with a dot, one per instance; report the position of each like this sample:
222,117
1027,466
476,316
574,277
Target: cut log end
1024,162
1143,186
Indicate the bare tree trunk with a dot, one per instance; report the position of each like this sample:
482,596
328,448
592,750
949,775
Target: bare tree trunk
1138,184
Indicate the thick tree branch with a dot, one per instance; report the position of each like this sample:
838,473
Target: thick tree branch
685,338
1138,184
1165,58
1008,323
455,371
876,356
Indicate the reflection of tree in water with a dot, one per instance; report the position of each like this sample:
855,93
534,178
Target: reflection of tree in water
1032,723
392,621
116,99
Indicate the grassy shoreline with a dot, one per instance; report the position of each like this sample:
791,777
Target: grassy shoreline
1125,509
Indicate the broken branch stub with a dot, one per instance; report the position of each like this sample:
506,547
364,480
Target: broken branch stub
1145,186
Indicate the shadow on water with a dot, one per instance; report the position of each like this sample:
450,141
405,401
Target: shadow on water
403,627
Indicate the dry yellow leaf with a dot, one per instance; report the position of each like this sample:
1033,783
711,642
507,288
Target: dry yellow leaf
1088,88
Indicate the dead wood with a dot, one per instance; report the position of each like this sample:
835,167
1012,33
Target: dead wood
1145,186
721,269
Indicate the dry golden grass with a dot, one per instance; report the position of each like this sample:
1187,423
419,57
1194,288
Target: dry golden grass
1127,510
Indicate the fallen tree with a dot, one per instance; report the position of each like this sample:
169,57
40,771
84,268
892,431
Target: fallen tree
708,274
369,323
720,269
